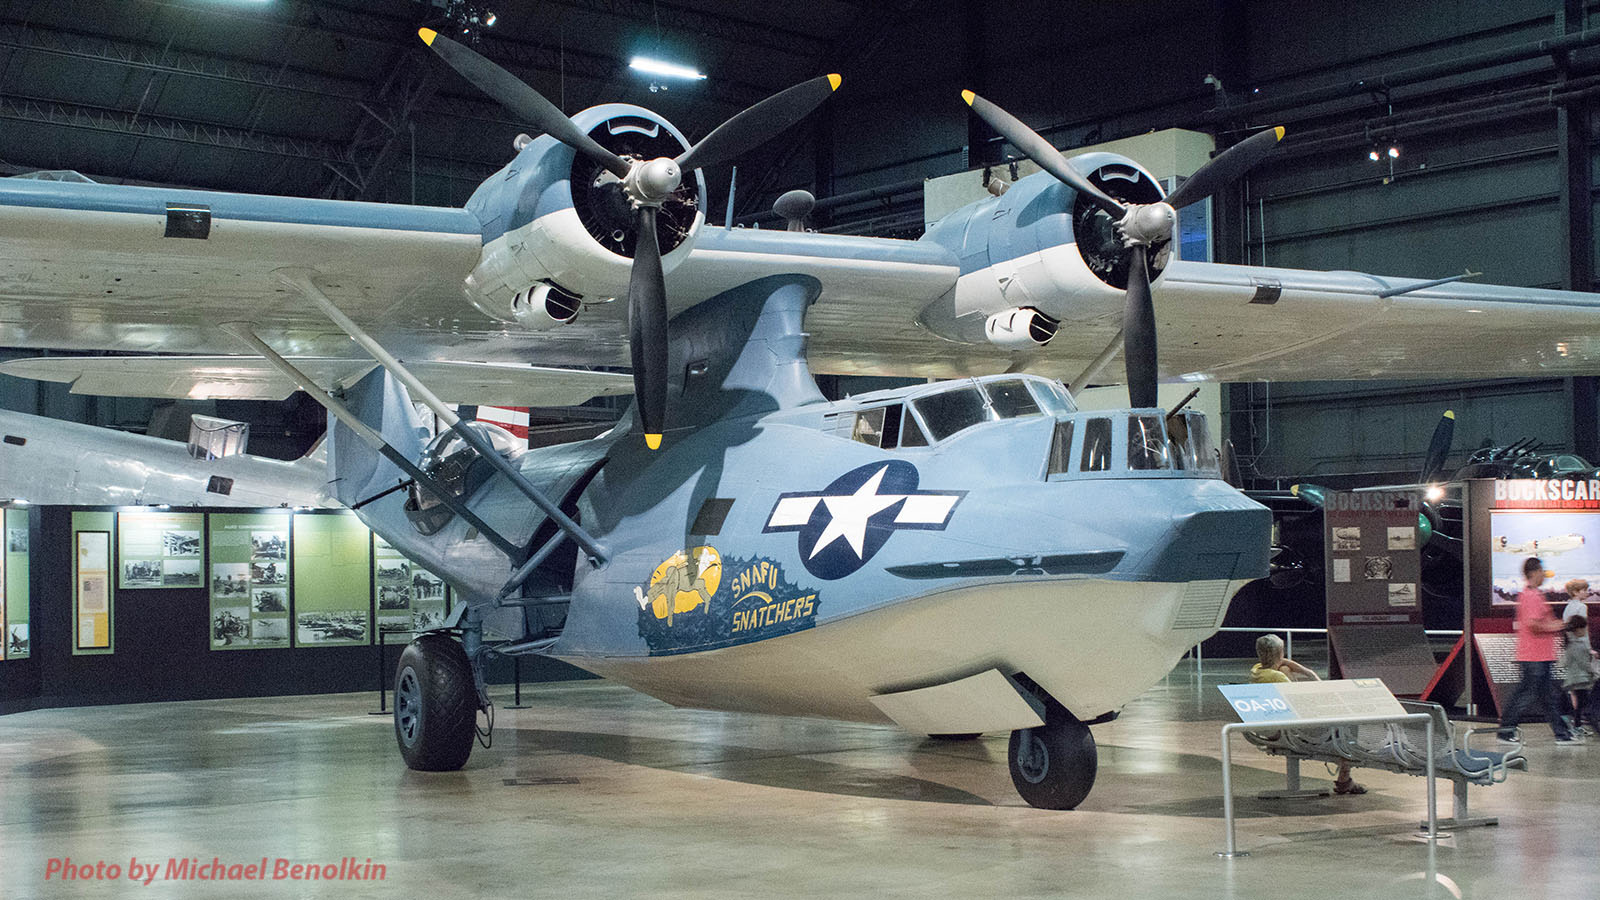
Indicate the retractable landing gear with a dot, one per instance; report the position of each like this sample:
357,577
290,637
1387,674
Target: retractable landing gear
1053,766
435,704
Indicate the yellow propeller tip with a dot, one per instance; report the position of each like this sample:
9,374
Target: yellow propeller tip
1449,414
835,79
1279,132
427,35
1294,489
968,96
653,441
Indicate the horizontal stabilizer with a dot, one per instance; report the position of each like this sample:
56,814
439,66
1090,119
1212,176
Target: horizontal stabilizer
251,378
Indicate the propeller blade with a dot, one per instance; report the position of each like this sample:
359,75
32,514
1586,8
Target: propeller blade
758,124
647,329
523,101
1228,165
1040,151
1139,333
1439,447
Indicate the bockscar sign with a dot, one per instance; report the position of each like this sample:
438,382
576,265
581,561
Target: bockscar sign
174,869
1547,493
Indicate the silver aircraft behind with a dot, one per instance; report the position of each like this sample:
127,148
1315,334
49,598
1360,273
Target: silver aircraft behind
51,462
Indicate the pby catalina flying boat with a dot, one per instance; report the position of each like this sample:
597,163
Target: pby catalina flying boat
967,556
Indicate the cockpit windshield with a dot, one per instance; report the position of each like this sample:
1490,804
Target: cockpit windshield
965,405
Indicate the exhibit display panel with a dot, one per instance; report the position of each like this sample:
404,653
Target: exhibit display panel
160,550
410,598
15,642
332,580
249,580
93,598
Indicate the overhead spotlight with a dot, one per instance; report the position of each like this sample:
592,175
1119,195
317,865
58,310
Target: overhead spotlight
1373,154
1434,494
664,69
490,19
1394,152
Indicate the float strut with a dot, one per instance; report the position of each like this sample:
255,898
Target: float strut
373,439
300,280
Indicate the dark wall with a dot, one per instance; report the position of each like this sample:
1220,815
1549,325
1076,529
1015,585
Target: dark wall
163,649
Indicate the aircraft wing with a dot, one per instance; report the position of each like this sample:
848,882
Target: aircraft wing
251,378
99,267
1237,323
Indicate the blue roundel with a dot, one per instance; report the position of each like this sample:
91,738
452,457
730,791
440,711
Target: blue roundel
845,524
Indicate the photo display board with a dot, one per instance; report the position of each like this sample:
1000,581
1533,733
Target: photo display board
1556,520
15,642
249,580
93,599
332,564
160,550
410,598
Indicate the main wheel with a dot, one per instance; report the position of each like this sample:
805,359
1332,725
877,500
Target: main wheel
1053,766
435,704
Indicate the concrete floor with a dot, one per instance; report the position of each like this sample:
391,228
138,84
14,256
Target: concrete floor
595,791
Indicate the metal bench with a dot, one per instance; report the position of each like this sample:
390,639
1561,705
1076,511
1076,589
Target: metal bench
1397,747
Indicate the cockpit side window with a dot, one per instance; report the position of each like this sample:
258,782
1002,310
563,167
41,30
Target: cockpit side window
948,412
1011,399
878,427
1061,449
1096,446
1147,444
869,427
911,433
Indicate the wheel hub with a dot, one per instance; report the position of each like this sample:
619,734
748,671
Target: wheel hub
408,706
1033,760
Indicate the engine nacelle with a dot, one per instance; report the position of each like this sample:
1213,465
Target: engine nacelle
1020,328
545,306
553,217
1039,246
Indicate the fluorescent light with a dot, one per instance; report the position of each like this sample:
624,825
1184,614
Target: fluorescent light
664,69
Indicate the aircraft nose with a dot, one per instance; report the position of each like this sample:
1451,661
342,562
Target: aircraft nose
1225,541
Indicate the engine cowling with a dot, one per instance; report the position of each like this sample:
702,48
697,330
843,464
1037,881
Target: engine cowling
1020,328
1042,247
554,218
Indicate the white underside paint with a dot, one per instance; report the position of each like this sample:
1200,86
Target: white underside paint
1092,644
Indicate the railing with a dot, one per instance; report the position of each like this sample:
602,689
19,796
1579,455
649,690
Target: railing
1288,640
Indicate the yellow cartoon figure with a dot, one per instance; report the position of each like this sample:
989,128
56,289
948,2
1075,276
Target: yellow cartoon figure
681,584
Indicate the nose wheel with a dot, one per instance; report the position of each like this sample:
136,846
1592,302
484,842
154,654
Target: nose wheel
1053,766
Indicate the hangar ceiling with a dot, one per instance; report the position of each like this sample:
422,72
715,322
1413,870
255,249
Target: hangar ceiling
1488,105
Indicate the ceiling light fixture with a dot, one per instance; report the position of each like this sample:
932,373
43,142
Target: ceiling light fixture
664,69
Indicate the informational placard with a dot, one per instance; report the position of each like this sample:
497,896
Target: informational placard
1289,701
15,642
332,565
410,598
1373,571
93,598
249,580
160,550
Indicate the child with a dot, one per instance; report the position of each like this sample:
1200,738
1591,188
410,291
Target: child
1275,667
1579,662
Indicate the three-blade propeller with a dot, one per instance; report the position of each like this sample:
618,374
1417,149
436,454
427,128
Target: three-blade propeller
1145,227
646,184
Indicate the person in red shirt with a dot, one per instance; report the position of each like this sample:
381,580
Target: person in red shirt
1537,628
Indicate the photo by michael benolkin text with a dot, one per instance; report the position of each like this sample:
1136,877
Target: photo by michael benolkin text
176,869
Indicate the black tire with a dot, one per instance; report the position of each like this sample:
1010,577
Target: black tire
1053,766
435,704
961,736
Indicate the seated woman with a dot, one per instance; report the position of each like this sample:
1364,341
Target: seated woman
1275,667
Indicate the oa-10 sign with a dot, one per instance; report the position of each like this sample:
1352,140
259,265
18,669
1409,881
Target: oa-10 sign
1285,702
